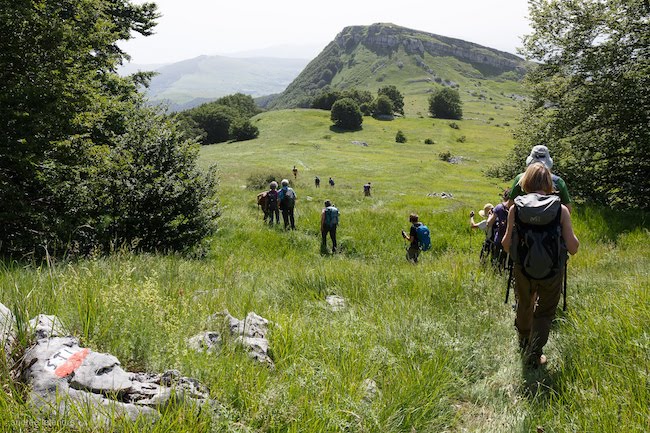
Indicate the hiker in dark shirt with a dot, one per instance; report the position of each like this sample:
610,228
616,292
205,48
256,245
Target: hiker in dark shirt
331,181
317,182
287,199
366,189
329,220
272,203
413,250
295,172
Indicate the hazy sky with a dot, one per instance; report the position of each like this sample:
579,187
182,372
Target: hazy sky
189,28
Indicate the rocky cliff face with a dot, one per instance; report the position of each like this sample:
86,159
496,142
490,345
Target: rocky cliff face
386,38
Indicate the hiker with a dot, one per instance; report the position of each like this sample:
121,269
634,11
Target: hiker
485,225
419,238
331,181
262,203
366,190
540,154
317,182
500,213
538,219
295,172
287,199
329,220
272,203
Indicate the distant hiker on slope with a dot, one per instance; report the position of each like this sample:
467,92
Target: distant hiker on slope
317,182
287,199
366,189
295,172
329,221
538,236
331,181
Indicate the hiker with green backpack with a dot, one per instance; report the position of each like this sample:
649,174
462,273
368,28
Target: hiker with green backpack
538,236
419,238
287,199
329,220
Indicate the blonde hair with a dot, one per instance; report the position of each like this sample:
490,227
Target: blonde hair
537,178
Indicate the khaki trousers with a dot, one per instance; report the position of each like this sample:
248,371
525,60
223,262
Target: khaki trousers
537,303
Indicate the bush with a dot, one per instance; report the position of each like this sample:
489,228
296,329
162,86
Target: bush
454,125
461,139
400,137
346,114
445,156
445,103
383,105
242,130
429,141
261,179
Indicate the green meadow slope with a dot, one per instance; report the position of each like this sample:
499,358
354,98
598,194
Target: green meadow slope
436,338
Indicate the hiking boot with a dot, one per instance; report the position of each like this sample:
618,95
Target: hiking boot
536,361
523,344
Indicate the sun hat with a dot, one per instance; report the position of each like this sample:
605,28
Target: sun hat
486,209
540,153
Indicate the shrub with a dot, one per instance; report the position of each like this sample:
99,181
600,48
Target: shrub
454,125
242,130
346,114
461,139
445,156
429,141
400,137
383,105
261,179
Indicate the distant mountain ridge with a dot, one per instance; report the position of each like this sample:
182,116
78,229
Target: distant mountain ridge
191,82
366,56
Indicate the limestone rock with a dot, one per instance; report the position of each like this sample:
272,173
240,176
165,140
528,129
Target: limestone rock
335,302
46,326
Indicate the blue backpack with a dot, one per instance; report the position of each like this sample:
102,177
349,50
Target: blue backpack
424,237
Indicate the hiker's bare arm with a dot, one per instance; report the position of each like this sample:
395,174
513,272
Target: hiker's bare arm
507,237
570,239
491,219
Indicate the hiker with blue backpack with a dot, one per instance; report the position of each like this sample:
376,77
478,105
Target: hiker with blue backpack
419,238
538,236
287,199
329,221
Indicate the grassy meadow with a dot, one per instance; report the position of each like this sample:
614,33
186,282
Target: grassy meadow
436,337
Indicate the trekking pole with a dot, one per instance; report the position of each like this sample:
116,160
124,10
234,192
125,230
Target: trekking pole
510,266
564,295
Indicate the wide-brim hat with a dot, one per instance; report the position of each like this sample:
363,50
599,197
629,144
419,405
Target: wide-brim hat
486,209
540,154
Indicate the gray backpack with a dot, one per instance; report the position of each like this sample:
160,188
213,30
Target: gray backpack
537,244
331,216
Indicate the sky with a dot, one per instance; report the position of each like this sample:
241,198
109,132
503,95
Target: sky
190,28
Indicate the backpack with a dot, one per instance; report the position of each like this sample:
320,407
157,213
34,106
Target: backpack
500,223
289,199
424,237
537,245
272,200
331,216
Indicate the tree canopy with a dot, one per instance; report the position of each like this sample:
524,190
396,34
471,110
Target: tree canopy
346,114
66,115
590,100
445,104
395,96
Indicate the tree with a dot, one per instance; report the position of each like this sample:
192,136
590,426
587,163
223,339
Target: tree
395,96
325,99
213,118
400,137
66,116
590,97
346,114
383,105
445,104
242,130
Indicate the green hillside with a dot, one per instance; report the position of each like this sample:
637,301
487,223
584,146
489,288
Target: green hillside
435,339
369,57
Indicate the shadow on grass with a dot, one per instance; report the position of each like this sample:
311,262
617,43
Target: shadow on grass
340,130
540,384
609,224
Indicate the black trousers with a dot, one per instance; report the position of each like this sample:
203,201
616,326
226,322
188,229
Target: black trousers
332,231
287,217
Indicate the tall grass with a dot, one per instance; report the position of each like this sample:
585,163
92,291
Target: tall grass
436,338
